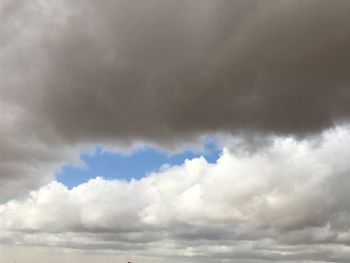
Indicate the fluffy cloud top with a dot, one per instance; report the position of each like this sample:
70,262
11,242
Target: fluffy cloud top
289,202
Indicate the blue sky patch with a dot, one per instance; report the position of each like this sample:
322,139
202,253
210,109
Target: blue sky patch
112,165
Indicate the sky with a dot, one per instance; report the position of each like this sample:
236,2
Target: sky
130,165
175,131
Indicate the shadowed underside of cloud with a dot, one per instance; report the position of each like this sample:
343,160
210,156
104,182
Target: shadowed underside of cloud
289,202
163,72
168,70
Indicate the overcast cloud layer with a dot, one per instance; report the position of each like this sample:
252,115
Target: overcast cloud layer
163,70
76,74
288,202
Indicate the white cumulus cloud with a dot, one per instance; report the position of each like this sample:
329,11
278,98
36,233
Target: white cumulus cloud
288,201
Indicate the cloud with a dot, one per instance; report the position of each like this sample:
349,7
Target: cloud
165,73
75,74
286,203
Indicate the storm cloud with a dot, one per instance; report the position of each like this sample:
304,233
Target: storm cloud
165,71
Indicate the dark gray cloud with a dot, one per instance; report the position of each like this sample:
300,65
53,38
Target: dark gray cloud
164,71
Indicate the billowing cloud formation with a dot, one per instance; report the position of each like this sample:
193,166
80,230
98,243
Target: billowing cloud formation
288,202
163,72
